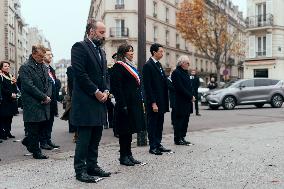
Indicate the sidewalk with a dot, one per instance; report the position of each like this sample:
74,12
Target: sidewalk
241,157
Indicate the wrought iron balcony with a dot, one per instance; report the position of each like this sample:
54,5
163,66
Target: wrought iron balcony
260,53
119,32
259,21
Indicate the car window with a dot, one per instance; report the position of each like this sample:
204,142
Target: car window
274,81
247,83
262,82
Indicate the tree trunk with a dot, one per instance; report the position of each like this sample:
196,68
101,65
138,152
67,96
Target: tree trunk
218,67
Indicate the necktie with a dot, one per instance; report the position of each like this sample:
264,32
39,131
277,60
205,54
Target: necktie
160,67
99,52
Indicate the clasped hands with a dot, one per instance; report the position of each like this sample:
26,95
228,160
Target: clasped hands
101,96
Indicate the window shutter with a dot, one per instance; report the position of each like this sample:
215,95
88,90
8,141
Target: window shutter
268,45
252,46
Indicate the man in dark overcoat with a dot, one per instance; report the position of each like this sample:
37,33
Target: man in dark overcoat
90,92
184,99
157,101
36,97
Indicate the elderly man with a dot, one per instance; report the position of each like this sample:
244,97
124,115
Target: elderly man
90,92
36,93
184,99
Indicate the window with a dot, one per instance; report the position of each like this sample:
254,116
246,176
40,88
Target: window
248,83
262,82
261,14
167,59
120,28
167,14
261,46
177,41
167,37
155,9
260,73
155,34
119,4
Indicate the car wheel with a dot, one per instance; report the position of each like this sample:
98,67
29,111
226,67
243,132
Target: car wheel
229,103
213,107
259,105
276,101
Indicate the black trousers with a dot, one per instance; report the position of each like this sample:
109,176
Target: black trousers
125,144
34,130
173,116
86,152
181,126
5,125
155,123
196,105
45,135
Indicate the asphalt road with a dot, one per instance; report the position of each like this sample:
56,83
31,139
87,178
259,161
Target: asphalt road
13,151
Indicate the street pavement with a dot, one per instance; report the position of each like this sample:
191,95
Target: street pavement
247,157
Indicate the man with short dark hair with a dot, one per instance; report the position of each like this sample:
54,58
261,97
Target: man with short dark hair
157,102
36,93
90,92
195,85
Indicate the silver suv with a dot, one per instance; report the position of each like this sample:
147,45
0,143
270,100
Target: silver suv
246,91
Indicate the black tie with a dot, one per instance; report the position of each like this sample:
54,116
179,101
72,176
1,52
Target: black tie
160,67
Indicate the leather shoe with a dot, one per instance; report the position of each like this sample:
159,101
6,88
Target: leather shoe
26,144
131,158
179,142
163,149
1,141
52,145
126,161
186,142
84,177
10,136
198,114
46,147
97,171
155,151
39,156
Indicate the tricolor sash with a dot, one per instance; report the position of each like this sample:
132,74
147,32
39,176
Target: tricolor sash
133,71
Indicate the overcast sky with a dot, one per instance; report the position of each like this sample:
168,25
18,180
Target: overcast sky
63,21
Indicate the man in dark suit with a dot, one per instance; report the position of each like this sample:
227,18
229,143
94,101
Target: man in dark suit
36,97
195,85
157,102
45,139
90,92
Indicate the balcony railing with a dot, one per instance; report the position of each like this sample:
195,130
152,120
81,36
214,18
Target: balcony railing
260,53
259,21
119,32
119,6
177,45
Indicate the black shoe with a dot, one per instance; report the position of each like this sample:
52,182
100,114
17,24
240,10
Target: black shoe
84,177
97,171
131,158
124,160
198,114
10,136
155,151
179,142
186,142
1,141
39,156
3,137
163,149
52,145
46,147
26,144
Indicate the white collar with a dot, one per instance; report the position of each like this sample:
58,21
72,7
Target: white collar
154,59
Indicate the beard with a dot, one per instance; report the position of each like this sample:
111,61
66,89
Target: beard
98,41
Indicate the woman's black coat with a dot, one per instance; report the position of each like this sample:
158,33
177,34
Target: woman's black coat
184,91
9,105
129,113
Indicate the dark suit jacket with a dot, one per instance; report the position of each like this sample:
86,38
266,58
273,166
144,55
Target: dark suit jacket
184,91
127,93
69,80
195,84
35,87
90,74
55,92
155,86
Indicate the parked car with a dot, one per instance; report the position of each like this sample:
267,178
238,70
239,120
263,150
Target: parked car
246,92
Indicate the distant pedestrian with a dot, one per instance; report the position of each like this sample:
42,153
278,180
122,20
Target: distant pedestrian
45,139
157,100
9,106
195,85
90,92
184,99
129,113
212,84
36,96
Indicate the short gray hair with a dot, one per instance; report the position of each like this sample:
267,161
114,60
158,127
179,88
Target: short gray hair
182,59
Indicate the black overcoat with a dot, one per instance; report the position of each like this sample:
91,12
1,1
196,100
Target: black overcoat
9,105
195,84
155,87
127,93
35,87
89,74
183,90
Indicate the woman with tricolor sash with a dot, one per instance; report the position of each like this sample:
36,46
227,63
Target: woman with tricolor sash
129,113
